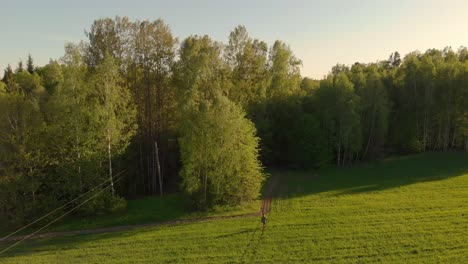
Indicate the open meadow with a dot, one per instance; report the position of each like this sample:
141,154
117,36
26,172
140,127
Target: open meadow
411,209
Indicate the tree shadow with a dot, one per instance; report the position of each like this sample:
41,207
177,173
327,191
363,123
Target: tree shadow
146,210
374,176
38,245
70,240
154,212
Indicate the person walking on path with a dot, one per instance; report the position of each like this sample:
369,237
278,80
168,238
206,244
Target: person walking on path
264,221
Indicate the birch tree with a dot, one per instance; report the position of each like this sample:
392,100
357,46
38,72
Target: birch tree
116,112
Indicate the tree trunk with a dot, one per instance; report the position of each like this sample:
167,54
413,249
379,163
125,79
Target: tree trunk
447,128
345,155
79,171
110,161
447,132
417,110
439,136
33,192
141,166
338,154
452,144
153,170
370,133
149,121
339,148
425,130
148,175
159,168
206,186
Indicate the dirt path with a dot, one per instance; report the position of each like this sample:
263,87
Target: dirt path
250,251
270,190
129,227
265,208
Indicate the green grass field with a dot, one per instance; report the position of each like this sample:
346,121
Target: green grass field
139,211
411,209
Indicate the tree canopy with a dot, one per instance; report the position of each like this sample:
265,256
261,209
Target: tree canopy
205,117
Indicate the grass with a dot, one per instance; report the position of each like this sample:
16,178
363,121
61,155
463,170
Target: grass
150,210
411,209
139,211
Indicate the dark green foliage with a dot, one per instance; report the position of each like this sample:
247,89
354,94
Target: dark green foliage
51,75
53,141
30,65
20,67
9,80
309,85
22,157
338,111
310,148
426,93
276,127
374,110
131,97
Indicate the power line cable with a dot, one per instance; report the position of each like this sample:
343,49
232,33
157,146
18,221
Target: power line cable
8,248
61,207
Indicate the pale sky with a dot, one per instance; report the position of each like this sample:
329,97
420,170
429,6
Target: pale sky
320,33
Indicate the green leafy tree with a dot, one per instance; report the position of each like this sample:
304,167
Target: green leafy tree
22,157
247,59
3,87
284,71
155,97
461,120
200,73
338,108
393,61
71,108
219,153
310,149
77,135
374,113
108,36
309,85
116,110
51,75
272,116
31,84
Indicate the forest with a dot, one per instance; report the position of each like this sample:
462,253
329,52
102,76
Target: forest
138,109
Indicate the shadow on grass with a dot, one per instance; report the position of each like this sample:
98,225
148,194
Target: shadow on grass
150,210
375,176
35,246
141,211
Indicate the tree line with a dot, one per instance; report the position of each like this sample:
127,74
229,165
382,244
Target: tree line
205,117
